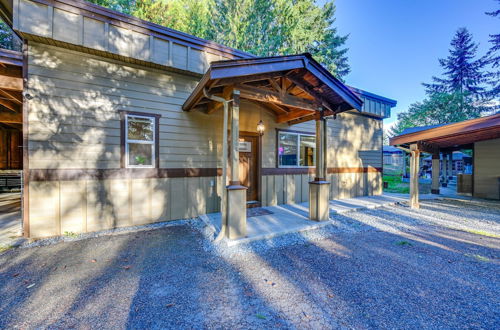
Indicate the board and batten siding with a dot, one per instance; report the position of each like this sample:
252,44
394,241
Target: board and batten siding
74,123
487,169
95,29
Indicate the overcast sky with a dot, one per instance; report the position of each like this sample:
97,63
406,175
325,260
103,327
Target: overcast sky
394,45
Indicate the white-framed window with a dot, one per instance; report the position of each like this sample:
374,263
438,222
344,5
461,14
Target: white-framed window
296,149
140,141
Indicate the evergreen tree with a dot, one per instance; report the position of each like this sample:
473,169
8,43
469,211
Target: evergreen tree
495,41
260,27
462,71
493,59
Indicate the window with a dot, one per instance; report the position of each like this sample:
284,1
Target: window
140,135
296,149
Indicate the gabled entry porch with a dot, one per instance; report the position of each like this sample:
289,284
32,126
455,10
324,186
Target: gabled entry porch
291,90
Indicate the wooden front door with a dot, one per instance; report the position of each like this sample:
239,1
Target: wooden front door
249,165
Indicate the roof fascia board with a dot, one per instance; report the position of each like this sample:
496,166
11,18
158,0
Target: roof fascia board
364,93
188,104
332,82
244,69
463,127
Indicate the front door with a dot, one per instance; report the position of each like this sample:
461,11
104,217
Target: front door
249,165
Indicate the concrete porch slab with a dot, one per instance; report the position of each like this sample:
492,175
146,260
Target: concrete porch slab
294,218
10,220
340,206
285,219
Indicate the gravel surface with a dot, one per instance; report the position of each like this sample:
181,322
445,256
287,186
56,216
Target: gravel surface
385,268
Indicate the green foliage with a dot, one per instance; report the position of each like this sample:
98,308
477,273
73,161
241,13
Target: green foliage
260,27
124,6
403,243
395,184
438,108
8,40
70,234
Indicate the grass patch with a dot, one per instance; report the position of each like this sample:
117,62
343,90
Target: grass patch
4,248
479,257
395,185
481,232
70,234
403,243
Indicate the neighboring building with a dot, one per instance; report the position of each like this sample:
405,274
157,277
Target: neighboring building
123,122
481,135
393,156
461,163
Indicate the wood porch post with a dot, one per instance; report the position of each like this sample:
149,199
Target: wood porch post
444,165
414,167
236,193
435,173
450,165
319,208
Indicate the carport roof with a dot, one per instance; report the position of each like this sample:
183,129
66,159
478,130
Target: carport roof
453,135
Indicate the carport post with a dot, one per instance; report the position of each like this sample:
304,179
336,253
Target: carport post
450,166
414,167
319,189
435,173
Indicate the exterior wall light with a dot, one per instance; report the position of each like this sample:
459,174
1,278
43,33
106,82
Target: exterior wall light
261,128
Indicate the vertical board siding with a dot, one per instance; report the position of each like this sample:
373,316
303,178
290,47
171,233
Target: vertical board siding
59,207
487,169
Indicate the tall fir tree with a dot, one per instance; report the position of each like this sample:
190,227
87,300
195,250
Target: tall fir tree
493,58
494,52
463,72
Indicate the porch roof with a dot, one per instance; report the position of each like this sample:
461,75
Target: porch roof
296,88
454,135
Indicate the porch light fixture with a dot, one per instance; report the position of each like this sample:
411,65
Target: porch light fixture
261,128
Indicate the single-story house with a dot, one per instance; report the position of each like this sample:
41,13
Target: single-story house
481,135
461,163
125,122
393,156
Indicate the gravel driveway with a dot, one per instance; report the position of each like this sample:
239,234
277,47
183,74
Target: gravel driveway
386,268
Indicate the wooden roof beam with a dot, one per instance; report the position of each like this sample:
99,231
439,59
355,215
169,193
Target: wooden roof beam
263,95
246,79
226,94
309,90
11,83
14,96
293,115
8,117
303,119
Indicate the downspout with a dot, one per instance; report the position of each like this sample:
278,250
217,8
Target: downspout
223,207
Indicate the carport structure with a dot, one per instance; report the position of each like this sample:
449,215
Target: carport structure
482,135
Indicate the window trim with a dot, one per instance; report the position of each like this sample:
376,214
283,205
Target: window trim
124,141
298,134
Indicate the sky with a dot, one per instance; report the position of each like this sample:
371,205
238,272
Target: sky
394,45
